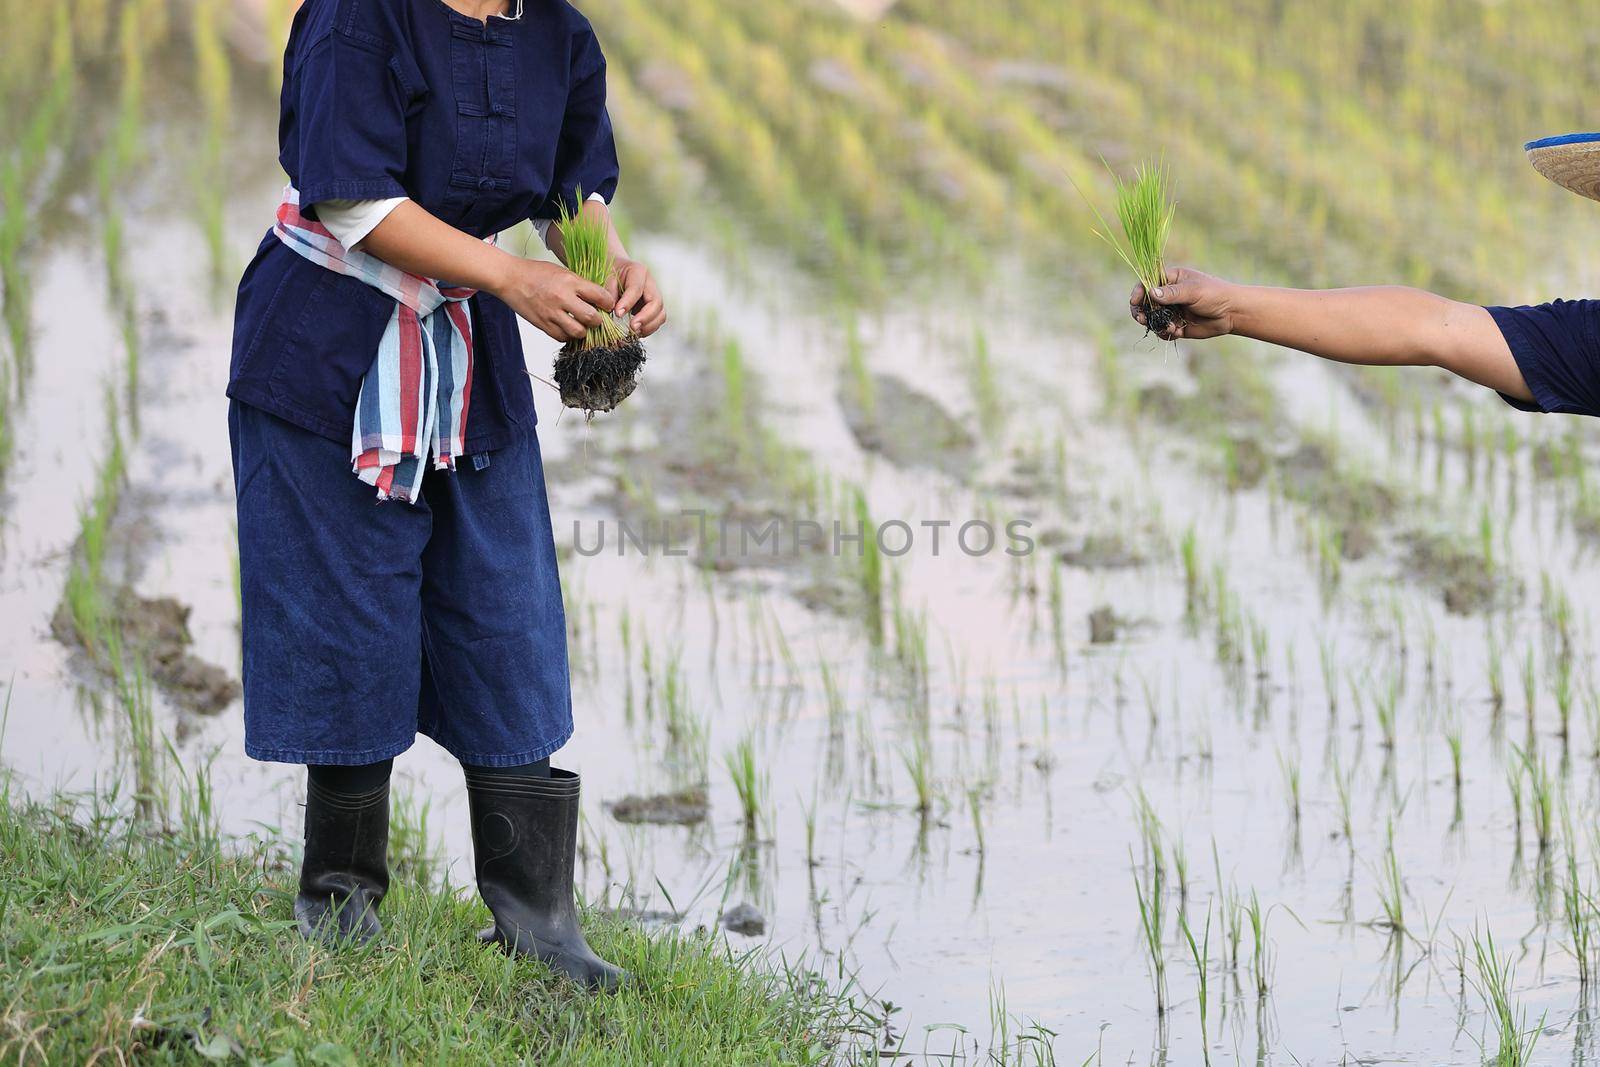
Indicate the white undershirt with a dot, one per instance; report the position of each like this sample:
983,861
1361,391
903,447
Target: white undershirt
350,221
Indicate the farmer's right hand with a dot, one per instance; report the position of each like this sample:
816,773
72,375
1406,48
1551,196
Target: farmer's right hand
553,298
1202,302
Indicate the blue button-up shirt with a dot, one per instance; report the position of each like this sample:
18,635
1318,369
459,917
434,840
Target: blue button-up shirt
483,123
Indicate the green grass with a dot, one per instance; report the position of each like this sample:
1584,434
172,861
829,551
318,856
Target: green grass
586,240
124,944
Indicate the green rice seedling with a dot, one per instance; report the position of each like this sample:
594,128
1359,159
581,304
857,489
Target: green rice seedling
1514,777
600,371
1150,894
1145,210
1291,781
1497,673
975,809
1201,954
834,697
917,758
1496,976
1530,690
735,397
1180,868
749,781
1541,796
871,571
214,75
858,376
1385,705
1391,888
985,384
1260,949
810,813
132,685
1561,689
1579,910
1260,646
1232,912
1342,781
1189,551
1327,656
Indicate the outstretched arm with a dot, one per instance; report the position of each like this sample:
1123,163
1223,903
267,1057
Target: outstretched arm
1375,326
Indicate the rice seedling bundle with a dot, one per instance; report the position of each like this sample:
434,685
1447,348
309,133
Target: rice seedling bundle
600,371
1145,210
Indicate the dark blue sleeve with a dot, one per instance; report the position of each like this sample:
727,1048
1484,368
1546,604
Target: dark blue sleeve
352,85
1557,348
586,157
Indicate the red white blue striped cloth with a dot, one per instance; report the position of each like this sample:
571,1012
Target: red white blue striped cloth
413,402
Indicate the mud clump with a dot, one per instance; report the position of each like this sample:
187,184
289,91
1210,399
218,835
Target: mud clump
1105,625
907,427
158,628
1160,318
686,807
1103,551
744,919
1353,503
596,379
1467,583
1247,462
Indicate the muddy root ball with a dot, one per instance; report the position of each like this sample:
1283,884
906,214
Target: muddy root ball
598,379
1160,318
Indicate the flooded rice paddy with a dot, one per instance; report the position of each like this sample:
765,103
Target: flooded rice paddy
1190,703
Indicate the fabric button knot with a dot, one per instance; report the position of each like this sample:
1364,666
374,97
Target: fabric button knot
485,184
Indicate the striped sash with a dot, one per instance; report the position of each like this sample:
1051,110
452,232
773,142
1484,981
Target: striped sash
413,401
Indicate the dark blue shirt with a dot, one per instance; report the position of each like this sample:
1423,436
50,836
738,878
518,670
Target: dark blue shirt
1557,348
484,124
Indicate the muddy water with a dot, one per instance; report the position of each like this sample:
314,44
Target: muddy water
1028,908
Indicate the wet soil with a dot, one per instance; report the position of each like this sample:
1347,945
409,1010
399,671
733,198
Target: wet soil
685,807
158,628
908,427
1459,574
596,379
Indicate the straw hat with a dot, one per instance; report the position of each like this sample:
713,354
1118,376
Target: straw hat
1571,161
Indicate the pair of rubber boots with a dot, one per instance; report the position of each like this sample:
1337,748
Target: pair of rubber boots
524,841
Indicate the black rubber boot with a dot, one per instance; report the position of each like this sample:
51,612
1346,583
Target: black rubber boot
525,842
346,868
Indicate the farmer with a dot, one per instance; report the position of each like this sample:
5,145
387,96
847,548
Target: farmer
396,564
1544,358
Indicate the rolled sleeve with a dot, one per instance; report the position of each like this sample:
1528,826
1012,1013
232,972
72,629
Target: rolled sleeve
586,155
350,122
1557,349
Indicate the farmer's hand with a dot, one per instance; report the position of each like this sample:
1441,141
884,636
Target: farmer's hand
639,296
553,298
1202,302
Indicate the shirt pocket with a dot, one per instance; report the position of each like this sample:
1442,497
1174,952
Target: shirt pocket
483,68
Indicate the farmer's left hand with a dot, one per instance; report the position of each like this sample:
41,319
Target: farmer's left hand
639,296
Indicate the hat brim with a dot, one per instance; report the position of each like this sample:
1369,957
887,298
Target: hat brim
1571,160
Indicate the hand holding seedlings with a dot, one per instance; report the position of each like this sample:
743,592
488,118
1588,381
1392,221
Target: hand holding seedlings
1199,300
556,300
597,369
547,295
639,298
1380,326
1145,209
